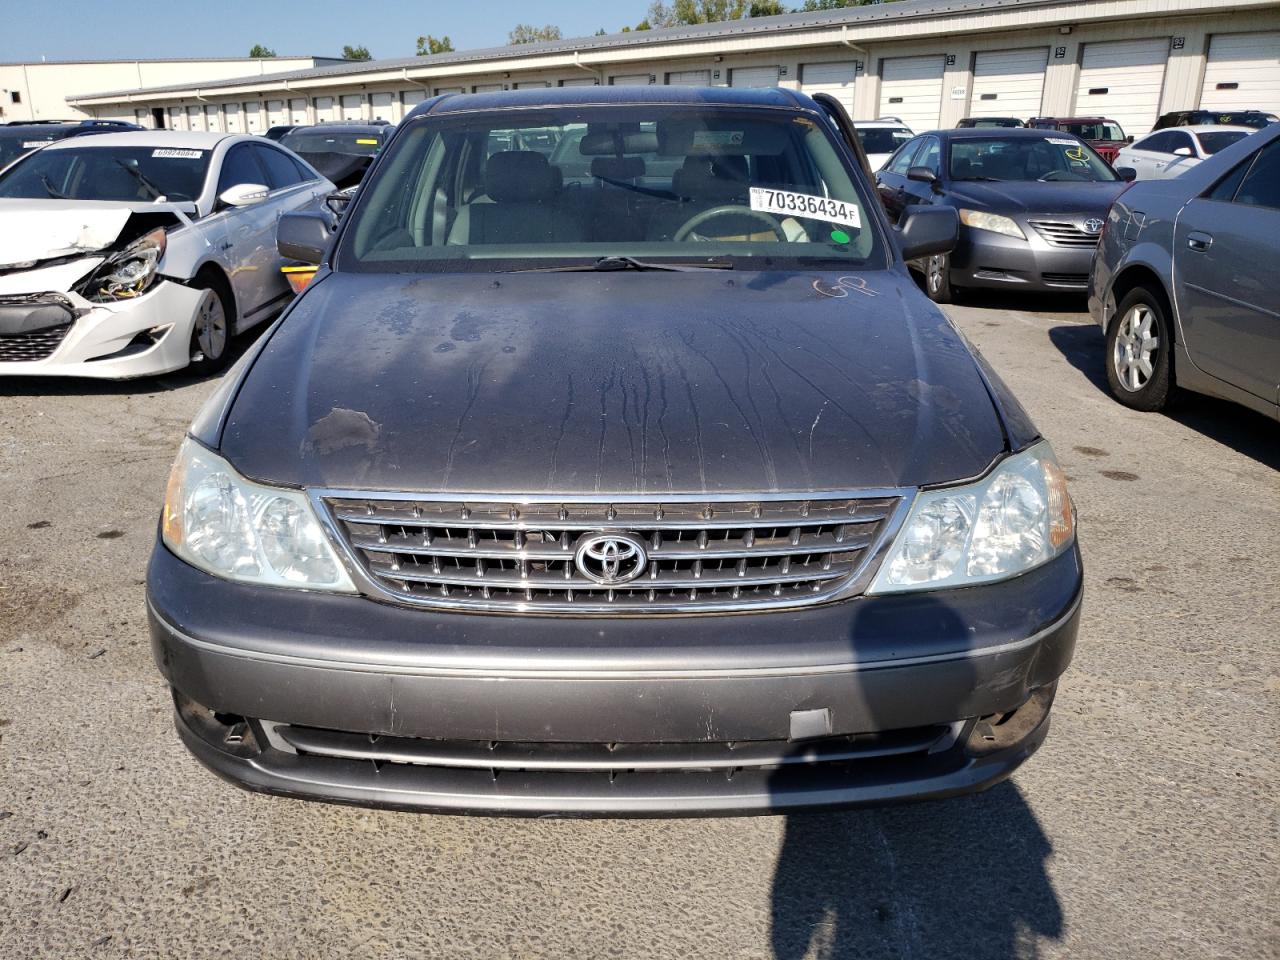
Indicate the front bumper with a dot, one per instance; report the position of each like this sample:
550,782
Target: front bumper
994,261
148,335
865,701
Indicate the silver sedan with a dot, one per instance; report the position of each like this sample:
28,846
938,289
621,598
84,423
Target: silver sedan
1184,282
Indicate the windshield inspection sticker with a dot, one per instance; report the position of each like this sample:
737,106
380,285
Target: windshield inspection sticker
805,205
171,154
32,144
1063,143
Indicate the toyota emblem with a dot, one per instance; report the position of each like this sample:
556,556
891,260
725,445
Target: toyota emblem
1093,225
610,559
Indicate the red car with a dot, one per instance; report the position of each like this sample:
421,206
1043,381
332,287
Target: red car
1105,136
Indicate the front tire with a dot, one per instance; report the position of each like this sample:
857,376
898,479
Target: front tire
937,278
211,333
1139,348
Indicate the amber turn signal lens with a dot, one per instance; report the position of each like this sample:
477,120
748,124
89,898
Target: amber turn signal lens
1062,512
298,277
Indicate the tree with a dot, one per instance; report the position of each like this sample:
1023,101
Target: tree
527,33
356,53
766,8
812,5
602,32
259,52
430,45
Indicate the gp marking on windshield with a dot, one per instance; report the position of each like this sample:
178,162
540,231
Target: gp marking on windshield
843,287
805,205
1076,154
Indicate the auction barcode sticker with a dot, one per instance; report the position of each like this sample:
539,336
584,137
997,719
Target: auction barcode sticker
171,154
805,205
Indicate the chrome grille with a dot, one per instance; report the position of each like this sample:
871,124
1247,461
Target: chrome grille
31,346
1063,234
698,555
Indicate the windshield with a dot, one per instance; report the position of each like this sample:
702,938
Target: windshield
1251,119
1217,140
1050,158
14,145
1102,130
360,143
995,122
883,139
660,181
108,173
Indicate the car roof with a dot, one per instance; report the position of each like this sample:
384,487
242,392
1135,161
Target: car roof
1076,119
348,127
1206,128
604,95
874,124
986,133
149,138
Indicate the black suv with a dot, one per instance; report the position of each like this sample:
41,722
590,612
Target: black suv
1233,118
340,151
615,493
19,139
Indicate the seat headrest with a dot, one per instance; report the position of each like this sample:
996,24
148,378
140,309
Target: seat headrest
520,176
617,168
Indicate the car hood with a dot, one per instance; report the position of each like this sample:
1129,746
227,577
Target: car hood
613,382
32,231
1013,196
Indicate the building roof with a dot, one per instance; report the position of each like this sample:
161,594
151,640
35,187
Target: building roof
74,63
847,16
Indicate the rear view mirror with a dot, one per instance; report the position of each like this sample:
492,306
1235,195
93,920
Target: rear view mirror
926,231
1127,174
303,236
244,194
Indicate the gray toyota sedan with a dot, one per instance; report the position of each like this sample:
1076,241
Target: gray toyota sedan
640,482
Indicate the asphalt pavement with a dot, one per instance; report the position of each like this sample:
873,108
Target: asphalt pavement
1146,827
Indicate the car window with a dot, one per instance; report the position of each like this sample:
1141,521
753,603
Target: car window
882,139
1261,186
1179,140
930,155
85,172
663,180
281,171
1051,158
305,172
356,143
1157,143
238,167
901,161
1213,141
1225,189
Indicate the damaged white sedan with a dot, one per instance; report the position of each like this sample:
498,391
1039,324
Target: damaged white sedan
131,254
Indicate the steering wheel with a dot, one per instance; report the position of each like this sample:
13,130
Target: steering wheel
729,209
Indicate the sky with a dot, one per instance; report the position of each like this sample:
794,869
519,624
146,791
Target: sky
126,29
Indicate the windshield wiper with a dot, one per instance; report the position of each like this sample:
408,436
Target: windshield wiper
142,178
51,189
605,264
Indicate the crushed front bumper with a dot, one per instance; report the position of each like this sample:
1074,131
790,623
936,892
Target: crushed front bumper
865,701
147,335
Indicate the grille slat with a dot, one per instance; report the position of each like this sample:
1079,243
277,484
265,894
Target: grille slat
505,556
1063,234
38,345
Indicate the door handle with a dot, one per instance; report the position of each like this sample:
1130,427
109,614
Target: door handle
1199,241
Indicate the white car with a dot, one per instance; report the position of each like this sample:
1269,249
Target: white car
129,254
881,138
1168,152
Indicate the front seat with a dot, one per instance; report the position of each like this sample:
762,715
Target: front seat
523,188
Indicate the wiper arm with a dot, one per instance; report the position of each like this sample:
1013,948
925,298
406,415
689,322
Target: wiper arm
51,189
142,178
605,264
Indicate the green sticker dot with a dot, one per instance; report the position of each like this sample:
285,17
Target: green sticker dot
839,236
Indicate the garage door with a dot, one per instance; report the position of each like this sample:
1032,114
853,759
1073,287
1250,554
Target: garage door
195,118
212,119
833,78
177,118
352,106
324,110
1122,81
1008,83
689,78
1243,72
232,111
440,91
298,111
753,77
630,80
275,113
486,88
911,90
578,82
531,85
253,117
384,106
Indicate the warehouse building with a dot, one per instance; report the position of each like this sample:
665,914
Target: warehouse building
42,90
927,62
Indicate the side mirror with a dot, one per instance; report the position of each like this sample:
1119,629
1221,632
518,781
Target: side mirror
923,175
1127,174
244,194
303,236
1183,152
1129,139
925,231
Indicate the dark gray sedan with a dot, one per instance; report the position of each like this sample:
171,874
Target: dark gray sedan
1184,282
1031,205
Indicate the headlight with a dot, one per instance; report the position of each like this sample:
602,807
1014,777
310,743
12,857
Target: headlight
994,222
226,525
1013,520
130,272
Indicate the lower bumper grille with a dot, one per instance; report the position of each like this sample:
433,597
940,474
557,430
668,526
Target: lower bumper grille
32,346
613,557
1066,279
